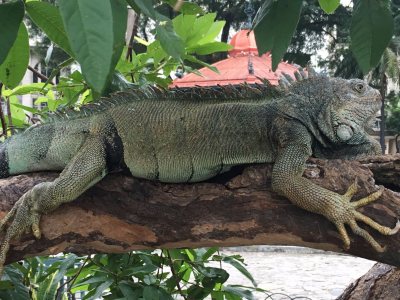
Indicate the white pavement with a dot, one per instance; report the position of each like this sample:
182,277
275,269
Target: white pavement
298,272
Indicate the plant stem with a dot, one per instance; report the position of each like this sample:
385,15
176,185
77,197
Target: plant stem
171,265
38,74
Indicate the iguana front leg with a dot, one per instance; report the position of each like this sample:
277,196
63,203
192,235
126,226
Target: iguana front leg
84,170
287,180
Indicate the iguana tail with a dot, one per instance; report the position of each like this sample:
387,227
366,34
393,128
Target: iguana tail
47,147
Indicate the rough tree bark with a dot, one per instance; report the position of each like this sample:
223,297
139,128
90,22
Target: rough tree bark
381,282
122,213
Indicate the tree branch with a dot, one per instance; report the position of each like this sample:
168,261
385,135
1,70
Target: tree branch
122,213
38,74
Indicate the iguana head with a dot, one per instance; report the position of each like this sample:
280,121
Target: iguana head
339,111
350,111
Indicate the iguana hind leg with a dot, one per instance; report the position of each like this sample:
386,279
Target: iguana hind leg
83,171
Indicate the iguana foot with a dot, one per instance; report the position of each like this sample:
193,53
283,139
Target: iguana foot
22,218
348,214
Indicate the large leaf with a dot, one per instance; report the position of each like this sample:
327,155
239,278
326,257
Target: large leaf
26,89
19,290
48,18
200,28
48,291
329,6
147,8
274,26
11,15
96,31
213,32
183,25
208,48
120,19
169,40
14,67
371,31
155,293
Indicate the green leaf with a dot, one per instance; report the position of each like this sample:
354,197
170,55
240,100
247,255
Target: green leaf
48,18
239,291
210,251
146,7
212,32
169,40
20,291
24,107
274,26
96,31
200,28
371,31
14,67
120,19
208,48
329,6
98,291
11,15
155,293
128,290
218,275
183,25
50,290
195,60
26,89
240,267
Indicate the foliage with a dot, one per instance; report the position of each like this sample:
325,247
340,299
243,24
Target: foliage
371,28
393,108
105,68
92,33
191,274
371,31
280,18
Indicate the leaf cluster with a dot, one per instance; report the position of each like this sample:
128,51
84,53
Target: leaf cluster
91,35
149,275
371,28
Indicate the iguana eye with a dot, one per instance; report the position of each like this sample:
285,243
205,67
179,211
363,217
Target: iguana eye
359,87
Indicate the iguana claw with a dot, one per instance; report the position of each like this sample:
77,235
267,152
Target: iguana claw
351,216
21,219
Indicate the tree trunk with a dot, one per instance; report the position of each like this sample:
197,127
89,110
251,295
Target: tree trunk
122,213
382,282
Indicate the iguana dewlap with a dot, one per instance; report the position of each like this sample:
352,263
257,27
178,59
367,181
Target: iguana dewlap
189,136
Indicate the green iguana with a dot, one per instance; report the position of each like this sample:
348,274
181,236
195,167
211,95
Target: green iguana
189,136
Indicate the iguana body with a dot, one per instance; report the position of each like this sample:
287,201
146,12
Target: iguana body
189,137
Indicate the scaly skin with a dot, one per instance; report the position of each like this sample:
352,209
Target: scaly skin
183,139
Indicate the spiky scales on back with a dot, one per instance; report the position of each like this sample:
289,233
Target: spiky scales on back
199,94
189,135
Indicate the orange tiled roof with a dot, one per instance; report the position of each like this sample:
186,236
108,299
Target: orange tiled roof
242,65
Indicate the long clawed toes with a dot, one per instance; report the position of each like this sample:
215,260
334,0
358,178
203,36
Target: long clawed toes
343,234
355,216
364,234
